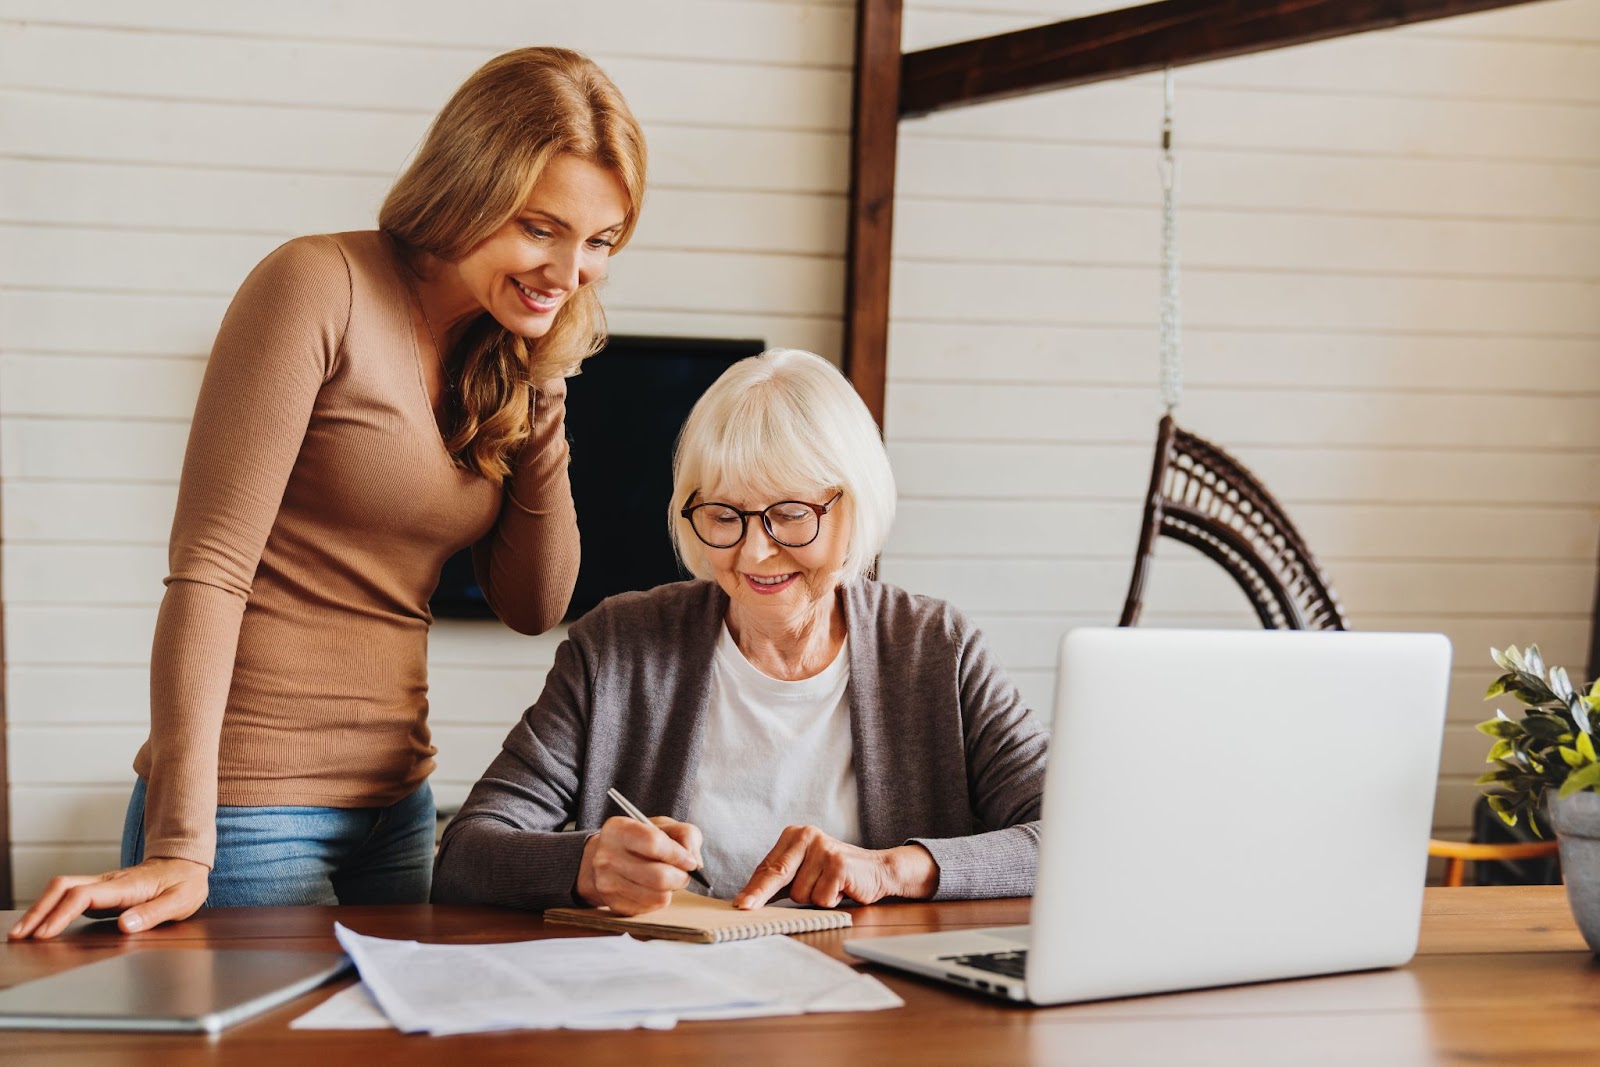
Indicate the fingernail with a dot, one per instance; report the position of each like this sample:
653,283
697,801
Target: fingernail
16,931
133,922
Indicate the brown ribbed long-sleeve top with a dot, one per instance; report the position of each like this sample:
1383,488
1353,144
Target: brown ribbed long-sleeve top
316,508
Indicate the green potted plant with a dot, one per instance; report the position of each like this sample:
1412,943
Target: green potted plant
1547,771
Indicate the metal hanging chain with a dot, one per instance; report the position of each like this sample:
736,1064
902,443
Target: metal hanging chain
1171,355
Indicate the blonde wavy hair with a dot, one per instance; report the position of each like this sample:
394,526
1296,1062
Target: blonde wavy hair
474,172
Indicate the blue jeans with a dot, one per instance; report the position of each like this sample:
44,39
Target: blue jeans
306,855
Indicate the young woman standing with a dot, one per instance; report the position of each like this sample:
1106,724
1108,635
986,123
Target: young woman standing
375,401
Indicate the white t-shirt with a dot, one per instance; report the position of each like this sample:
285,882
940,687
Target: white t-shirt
776,754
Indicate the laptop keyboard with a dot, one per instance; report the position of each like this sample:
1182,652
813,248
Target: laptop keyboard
1011,963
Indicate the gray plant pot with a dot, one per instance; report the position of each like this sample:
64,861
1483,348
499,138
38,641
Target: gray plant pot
1577,824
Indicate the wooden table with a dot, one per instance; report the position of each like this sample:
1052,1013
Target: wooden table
1502,978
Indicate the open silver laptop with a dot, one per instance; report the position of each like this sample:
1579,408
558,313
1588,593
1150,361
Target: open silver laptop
1220,807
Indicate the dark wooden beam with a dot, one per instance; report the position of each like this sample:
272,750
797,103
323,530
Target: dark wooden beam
1136,40
874,138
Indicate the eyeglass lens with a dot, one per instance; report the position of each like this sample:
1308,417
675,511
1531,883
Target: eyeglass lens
791,524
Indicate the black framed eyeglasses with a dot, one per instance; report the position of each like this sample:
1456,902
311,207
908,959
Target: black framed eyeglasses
791,523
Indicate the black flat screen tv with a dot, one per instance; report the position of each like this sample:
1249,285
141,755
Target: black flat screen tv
623,416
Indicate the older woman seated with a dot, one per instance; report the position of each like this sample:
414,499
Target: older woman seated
812,728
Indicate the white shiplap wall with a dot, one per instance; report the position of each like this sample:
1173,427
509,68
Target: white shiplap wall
1391,250
152,152
1390,247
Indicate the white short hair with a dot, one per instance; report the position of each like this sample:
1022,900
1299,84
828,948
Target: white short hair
776,424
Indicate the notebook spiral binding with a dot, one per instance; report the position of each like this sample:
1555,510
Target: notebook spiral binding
691,917
800,923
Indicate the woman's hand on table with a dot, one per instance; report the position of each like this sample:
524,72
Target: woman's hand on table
822,870
633,868
142,896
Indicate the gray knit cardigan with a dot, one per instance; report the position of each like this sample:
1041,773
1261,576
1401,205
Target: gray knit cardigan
946,753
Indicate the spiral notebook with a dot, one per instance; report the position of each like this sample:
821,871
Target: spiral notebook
692,917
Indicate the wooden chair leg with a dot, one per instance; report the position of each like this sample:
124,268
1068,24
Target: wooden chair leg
1455,869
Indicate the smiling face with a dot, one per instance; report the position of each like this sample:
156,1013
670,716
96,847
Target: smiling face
557,243
774,584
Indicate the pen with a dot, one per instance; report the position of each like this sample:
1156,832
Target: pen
627,805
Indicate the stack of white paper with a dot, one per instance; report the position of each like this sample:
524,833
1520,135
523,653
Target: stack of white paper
586,983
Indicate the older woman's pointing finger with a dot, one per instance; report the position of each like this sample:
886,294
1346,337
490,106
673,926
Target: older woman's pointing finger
824,871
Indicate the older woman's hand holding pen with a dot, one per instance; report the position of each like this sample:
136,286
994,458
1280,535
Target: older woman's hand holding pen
635,864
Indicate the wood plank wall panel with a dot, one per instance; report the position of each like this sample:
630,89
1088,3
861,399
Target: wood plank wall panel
151,154
1442,173
1391,257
